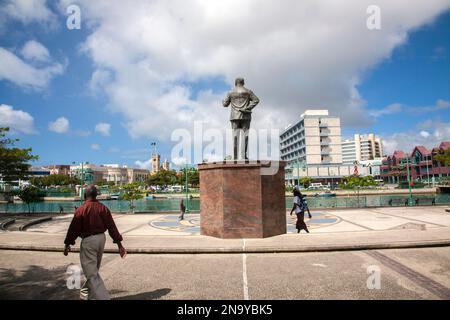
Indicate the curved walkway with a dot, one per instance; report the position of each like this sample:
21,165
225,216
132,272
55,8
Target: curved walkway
358,229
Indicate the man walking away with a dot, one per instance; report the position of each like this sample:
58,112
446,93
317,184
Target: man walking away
90,222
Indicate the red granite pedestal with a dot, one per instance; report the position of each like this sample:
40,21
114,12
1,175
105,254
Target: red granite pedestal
242,200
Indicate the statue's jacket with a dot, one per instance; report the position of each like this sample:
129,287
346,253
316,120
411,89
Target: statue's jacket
242,101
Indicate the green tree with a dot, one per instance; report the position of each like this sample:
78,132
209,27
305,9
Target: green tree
305,181
29,195
14,162
354,181
443,157
55,180
131,193
193,177
162,178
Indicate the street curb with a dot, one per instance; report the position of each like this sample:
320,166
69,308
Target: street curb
30,223
6,223
240,250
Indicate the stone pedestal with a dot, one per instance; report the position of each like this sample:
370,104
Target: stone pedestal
242,200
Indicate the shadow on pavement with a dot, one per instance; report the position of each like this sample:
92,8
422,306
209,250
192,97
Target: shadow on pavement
151,295
35,283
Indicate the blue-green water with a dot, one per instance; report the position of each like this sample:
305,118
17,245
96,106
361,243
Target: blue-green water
172,204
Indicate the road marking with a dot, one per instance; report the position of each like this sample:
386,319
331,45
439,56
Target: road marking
357,224
406,218
414,276
244,276
319,265
135,228
244,271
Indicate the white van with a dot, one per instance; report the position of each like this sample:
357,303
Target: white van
175,189
315,186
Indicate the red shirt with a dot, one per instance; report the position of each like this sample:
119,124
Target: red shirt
92,218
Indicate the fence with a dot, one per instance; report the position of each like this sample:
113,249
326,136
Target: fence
167,205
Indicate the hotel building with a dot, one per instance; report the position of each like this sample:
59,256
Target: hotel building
361,148
315,139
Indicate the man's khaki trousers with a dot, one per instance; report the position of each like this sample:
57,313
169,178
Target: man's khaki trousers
91,252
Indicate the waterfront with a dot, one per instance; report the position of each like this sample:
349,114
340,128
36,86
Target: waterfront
172,204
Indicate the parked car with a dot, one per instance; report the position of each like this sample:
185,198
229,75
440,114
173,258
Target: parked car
175,189
315,186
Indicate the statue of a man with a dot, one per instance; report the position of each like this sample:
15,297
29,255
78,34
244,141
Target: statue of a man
242,102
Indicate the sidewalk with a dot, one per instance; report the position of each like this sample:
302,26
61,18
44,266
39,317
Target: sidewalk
331,230
358,240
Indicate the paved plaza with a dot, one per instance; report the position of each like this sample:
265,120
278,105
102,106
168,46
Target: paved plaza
323,221
416,274
169,259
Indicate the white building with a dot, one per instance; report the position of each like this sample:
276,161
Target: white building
110,173
361,148
155,163
314,140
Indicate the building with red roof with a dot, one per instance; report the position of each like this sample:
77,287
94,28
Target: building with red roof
421,162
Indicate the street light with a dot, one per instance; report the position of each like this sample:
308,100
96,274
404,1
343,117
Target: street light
187,170
410,200
299,163
82,179
187,188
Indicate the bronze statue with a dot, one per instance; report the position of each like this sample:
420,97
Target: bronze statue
242,102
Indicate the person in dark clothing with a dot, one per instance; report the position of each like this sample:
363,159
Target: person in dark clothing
90,222
299,208
305,203
182,210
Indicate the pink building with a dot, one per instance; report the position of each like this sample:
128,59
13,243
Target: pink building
421,162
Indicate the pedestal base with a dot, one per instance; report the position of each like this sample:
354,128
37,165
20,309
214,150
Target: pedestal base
242,199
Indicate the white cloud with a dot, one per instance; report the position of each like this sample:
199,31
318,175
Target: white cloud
27,11
37,74
436,132
103,128
98,80
395,108
442,104
16,120
95,146
60,125
388,110
35,51
294,55
144,164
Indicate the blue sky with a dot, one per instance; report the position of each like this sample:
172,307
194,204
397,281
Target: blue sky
143,85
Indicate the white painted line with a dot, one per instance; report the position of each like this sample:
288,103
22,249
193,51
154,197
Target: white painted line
319,265
244,276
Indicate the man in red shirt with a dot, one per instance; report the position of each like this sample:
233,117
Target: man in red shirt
90,222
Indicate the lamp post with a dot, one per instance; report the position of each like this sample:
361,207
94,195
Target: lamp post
82,179
187,188
298,163
410,202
